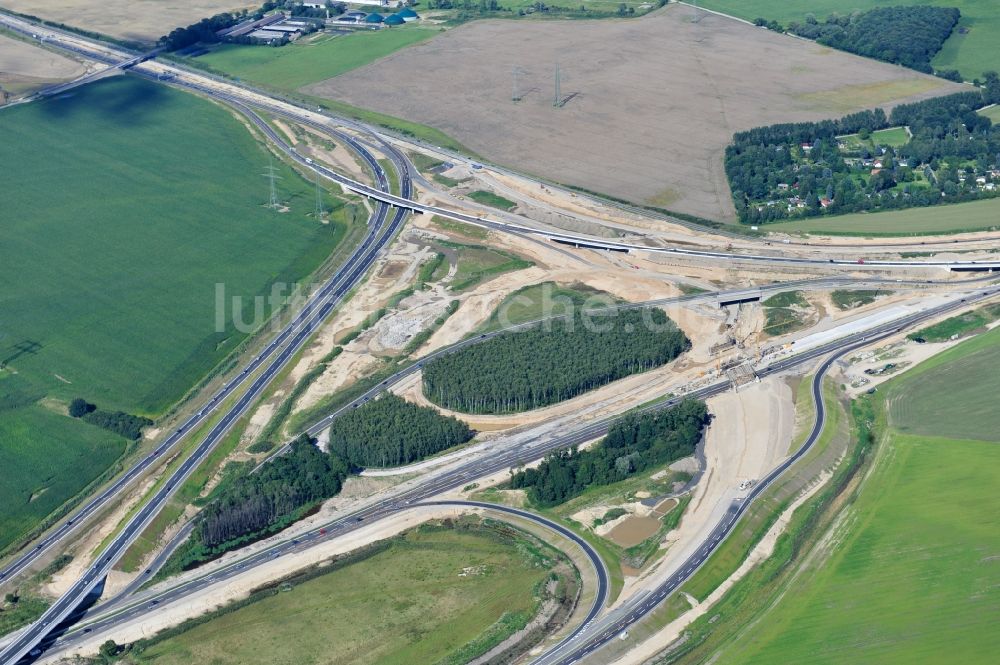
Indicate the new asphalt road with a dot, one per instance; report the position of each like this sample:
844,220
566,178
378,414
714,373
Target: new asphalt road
258,374
591,635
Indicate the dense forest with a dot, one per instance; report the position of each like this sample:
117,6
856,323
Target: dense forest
948,153
908,36
254,505
390,431
634,443
552,362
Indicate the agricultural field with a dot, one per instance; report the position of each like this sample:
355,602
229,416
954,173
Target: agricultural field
951,395
47,458
954,218
911,577
135,239
309,60
733,77
972,49
141,21
25,68
409,603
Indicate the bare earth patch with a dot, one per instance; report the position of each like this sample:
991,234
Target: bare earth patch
137,20
652,102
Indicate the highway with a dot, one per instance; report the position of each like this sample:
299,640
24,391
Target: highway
239,94
591,635
314,429
268,362
621,620
258,374
112,617
319,304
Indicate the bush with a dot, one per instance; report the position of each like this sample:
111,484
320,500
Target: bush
80,407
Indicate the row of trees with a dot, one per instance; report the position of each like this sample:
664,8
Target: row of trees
552,362
769,168
119,422
908,36
203,31
634,443
254,505
390,431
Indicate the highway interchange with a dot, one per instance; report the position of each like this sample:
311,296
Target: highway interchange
224,408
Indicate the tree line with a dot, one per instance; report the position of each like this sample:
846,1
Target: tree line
908,36
204,31
119,422
390,431
552,362
807,164
634,443
255,505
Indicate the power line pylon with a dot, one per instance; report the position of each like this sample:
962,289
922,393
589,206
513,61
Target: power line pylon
269,173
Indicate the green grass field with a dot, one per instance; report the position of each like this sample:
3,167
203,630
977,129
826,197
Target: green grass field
894,136
131,201
476,263
310,60
46,458
546,299
786,299
993,113
844,299
492,200
972,53
913,575
958,326
953,394
407,604
955,218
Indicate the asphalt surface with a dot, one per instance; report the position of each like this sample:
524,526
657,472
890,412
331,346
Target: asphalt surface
628,615
317,427
405,202
269,363
592,634
273,358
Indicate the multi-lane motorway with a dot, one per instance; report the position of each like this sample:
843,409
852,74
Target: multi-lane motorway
235,94
258,374
590,635
245,389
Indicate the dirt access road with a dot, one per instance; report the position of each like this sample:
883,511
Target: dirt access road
653,101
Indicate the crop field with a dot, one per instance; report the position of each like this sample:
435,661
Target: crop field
312,59
25,68
129,204
955,218
47,458
912,577
953,394
972,49
649,104
410,603
133,20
